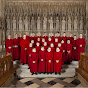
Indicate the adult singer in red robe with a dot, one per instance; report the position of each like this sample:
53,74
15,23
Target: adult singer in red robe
57,61
52,37
24,46
27,37
75,49
9,46
20,37
49,61
56,42
58,36
42,58
81,44
34,62
49,41
69,51
45,37
38,47
16,48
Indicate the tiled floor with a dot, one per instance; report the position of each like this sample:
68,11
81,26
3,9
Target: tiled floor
46,82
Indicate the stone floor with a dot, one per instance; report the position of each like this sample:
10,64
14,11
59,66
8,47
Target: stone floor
47,82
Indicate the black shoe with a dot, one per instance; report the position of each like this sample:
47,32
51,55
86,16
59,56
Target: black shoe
59,73
23,63
36,73
44,72
39,72
32,73
50,72
55,73
29,68
47,72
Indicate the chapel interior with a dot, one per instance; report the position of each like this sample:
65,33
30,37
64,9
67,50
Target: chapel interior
33,16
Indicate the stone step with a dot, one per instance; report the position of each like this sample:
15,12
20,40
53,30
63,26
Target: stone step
75,62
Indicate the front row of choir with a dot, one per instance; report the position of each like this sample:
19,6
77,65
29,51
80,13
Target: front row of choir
43,54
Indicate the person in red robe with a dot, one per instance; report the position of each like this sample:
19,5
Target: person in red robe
33,37
71,38
45,46
56,42
38,47
69,51
58,36
43,40
9,46
16,49
49,61
57,61
52,47
39,40
64,38
45,37
63,45
81,44
49,41
42,58
20,37
29,54
75,48
60,47
52,37
27,37
24,46
34,62
33,43
39,36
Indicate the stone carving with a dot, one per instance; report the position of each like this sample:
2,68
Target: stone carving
75,23
14,23
51,23
38,23
32,24
57,23
26,23
63,24
45,23
20,23
8,23
69,24
81,24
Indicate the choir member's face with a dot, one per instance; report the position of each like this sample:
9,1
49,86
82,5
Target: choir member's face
16,36
37,44
9,36
20,35
49,49
30,44
56,40
32,41
43,40
45,34
62,41
24,36
26,33
80,35
34,50
38,39
59,44
33,34
39,34
51,34
64,34
42,48
52,45
75,38
58,34
68,41
57,50
45,43
49,39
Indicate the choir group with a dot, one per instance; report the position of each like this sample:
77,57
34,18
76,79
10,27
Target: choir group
45,54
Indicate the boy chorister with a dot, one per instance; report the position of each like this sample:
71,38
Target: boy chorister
45,46
38,47
49,41
57,61
34,62
56,42
42,58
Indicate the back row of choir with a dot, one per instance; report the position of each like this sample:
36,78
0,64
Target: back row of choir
45,54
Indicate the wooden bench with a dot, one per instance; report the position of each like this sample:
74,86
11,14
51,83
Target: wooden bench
6,70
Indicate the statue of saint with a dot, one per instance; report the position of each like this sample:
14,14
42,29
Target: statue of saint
14,23
69,23
26,23
57,23
51,23
32,24
20,24
45,23
38,23
8,23
81,23
63,24
75,24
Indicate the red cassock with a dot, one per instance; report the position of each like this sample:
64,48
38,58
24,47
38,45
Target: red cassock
28,38
33,38
20,38
16,53
75,50
52,38
71,39
53,49
45,48
49,65
29,55
39,37
63,45
24,55
42,56
64,38
56,44
59,39
57,65
38,48
34,66
69,55
49,42
9,43
46,38
80,41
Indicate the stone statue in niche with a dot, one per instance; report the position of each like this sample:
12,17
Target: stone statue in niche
75,23
8,23
32,24
26,23
63,24
14,23
45,23
81,23
20,23
38,23
69,23
57,23
51,23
